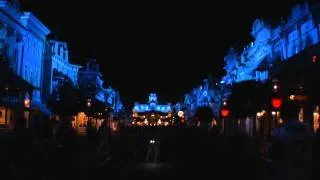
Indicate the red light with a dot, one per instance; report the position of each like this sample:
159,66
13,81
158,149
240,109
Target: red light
276,103
225,112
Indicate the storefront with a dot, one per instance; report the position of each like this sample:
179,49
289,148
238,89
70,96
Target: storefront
15,104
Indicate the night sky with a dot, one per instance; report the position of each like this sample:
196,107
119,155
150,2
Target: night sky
167,48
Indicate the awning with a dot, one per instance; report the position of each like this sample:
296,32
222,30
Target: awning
10,80
41,107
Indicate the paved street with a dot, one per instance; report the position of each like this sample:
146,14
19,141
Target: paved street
183,153
179,157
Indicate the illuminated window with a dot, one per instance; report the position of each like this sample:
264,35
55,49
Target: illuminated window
301,115
316,119
306,27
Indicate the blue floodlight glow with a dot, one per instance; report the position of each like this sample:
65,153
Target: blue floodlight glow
205,93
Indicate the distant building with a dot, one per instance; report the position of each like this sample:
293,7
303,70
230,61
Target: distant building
152,113
206,94
90,81
57,66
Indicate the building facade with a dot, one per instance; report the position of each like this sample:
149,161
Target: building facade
266,59
91,83
152,113
207,94
57,66
22,45
259,60
271,44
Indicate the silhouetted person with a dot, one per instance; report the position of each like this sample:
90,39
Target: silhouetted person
22,147
65,148
316,156
91,135
153,150
48,128
104,135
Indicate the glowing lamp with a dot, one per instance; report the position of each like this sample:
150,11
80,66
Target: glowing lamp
225,112
180,114
276,103
89,103
27,103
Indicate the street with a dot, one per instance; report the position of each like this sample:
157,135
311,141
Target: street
183,152
181,156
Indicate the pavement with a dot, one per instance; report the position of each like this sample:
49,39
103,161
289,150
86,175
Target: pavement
182,155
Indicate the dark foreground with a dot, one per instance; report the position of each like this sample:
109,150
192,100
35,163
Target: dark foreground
183,153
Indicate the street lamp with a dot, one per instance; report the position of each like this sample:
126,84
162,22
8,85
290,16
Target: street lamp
224,114
275,87
276,103
89,103
27,102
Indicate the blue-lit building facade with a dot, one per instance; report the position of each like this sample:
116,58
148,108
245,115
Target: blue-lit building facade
57,66
290,40
22,44
272,44
90,81
32,67
257,61
152,113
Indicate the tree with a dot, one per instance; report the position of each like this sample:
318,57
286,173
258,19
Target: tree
204,114
66,100
249,97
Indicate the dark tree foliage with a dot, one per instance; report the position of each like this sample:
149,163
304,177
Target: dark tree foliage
98,110
249,97
204,114
66,101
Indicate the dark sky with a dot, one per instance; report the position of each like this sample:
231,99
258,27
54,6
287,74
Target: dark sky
167,48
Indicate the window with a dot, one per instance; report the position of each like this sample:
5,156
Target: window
31,77
293,36
306,27
37,75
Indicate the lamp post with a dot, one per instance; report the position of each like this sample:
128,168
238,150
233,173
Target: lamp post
224,114
27,105
89,104
276,103
181,116
6,109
